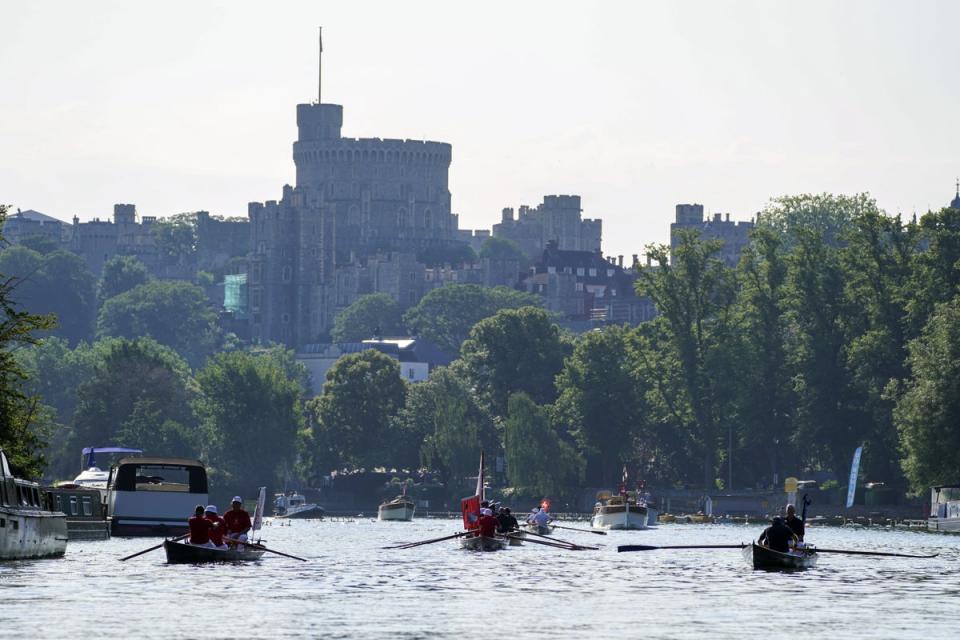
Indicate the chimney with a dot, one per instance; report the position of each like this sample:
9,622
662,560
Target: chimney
636,260
728,217
716,217
620,261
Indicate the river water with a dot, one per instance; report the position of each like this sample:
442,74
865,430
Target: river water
352,588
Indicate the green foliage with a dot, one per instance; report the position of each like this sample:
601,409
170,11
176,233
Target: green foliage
602,401
250,412
120,274
503,249
445,315
354,415
514,350
457,254
825,215
928,412
172,312
42,244
373,314
444,415
176,237
58,283
539,462
140,394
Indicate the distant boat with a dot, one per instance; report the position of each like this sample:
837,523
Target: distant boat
944,509
28,527
760,557
400,508
294,505
154,496
619,512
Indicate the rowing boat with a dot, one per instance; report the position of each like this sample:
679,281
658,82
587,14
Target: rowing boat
543,530
515,538
183,553
761,557
483,543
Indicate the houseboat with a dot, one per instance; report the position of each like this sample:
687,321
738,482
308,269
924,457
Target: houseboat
619,512
400,508
85,510
154,496
28,529
944,509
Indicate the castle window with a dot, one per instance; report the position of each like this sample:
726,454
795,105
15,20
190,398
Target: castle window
286,274
285,318
256,272
402,217
255,296
593,272
580,271
428,218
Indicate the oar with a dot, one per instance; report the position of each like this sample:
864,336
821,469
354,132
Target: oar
540,535
263,548
599,533
870,553
410,545
568,546
140,553
646,547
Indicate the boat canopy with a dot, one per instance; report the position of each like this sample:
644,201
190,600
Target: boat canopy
160,474
90,453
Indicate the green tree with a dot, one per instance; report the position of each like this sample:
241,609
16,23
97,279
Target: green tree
353,418
539,462
456,254
57,283
695,293
42,244
445,315
514,350
172,312
935,276
176,238
825,215
375,314
503,249
601,401
443,414
140,395
251,413
120,274
928,412
23,423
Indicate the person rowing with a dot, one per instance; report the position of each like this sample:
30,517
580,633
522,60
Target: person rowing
795,523
200,528
487,524
218,528
237,521
542,518
777,536
507,521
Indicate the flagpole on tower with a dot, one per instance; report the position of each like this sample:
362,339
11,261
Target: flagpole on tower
320,67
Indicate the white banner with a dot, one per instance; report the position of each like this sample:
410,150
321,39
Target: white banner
854,473
258,512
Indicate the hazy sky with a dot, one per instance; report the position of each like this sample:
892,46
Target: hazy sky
636,106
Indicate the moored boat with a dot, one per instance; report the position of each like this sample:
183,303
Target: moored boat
154,496
293,505
28,528
760,557
184,553
944,509
483,543
400,508
619,512
86,513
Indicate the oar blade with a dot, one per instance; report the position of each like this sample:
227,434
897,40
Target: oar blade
635,547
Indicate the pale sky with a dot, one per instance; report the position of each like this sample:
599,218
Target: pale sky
635,106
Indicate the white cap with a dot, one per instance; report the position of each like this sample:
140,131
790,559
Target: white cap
211,508
486,512
237,499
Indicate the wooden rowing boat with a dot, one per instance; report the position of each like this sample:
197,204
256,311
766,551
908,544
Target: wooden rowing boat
483,543
182,553
760,557
544,530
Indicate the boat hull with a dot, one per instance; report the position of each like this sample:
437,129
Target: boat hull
627,517
308,513
944,525
539,530
28,534
402,512
483,543
181,553
763,558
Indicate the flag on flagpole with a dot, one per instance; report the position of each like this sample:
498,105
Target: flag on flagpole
479,491
470,508
258,512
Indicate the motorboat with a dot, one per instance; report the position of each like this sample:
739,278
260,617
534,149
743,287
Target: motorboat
761,557
29,528
92,476
400,508
619,512
154,496
944,509
293,505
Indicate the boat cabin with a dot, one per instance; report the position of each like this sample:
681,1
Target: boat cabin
28,528
944,508
154,496
85,510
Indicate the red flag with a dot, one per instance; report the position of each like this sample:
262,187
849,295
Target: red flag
470,508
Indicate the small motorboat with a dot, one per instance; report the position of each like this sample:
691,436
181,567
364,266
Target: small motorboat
483,543
760,557
619,512
293,505
400,508
184,553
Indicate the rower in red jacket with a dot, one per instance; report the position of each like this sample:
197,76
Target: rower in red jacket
218,528
237,521
487,523
200,528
